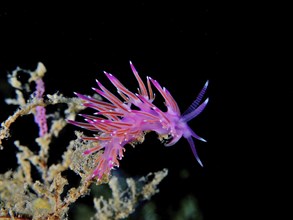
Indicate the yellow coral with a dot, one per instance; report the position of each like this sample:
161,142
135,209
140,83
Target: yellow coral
40,203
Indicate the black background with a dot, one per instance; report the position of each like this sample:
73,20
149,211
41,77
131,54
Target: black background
236,47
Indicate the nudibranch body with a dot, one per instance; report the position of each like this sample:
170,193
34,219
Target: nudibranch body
117,123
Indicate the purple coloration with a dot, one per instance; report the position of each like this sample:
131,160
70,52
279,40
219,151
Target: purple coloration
40,116
196,111
196,102
119,124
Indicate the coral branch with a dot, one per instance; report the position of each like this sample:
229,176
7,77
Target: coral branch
40,116
123,202
39,190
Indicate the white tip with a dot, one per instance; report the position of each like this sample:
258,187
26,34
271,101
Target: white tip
200,163
206,84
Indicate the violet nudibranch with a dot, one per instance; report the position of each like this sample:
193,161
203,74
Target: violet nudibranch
117,123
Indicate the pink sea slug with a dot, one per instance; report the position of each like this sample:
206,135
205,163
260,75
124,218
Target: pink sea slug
117,123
